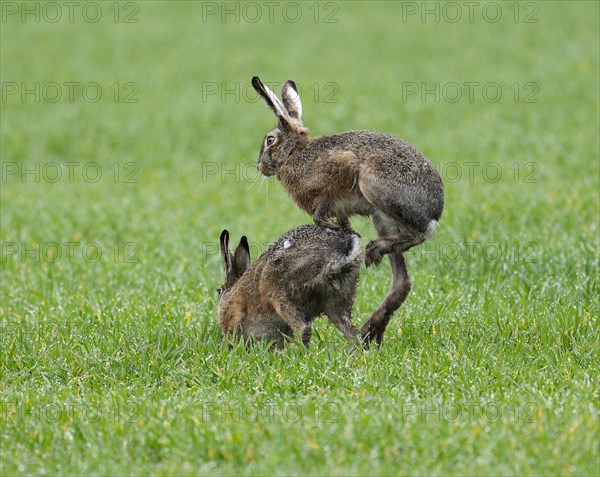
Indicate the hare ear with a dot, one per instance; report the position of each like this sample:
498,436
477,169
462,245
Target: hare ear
242,256
270,98
291,100
226,256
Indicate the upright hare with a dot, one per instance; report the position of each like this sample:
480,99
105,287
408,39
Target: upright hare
357,172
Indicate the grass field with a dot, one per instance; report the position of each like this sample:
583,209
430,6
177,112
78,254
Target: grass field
129,136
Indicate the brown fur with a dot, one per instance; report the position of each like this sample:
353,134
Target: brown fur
356,173
308,271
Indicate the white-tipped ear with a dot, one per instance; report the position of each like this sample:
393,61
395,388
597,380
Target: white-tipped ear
270,98
291,100
281,111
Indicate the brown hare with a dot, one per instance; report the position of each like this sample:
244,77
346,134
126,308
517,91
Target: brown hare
357,172
306,272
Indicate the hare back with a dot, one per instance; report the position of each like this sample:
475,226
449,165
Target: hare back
310,257
389,156
395,177
312,247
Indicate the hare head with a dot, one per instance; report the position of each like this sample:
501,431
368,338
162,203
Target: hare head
289,132
234,264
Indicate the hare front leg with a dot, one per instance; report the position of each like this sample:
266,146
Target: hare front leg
321,215
290,313
321,218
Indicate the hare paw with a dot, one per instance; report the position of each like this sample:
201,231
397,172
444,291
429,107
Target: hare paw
371,334
372,254
306,335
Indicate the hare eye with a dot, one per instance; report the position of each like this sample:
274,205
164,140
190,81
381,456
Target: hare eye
270,140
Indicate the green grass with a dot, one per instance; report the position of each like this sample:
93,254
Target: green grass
115,364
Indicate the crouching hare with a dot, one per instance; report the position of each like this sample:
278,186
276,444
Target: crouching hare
357,172
306,272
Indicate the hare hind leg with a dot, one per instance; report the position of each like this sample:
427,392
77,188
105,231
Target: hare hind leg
395,236
399,223
374,328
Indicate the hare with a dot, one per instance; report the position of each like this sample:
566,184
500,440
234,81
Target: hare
355,173
306,272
